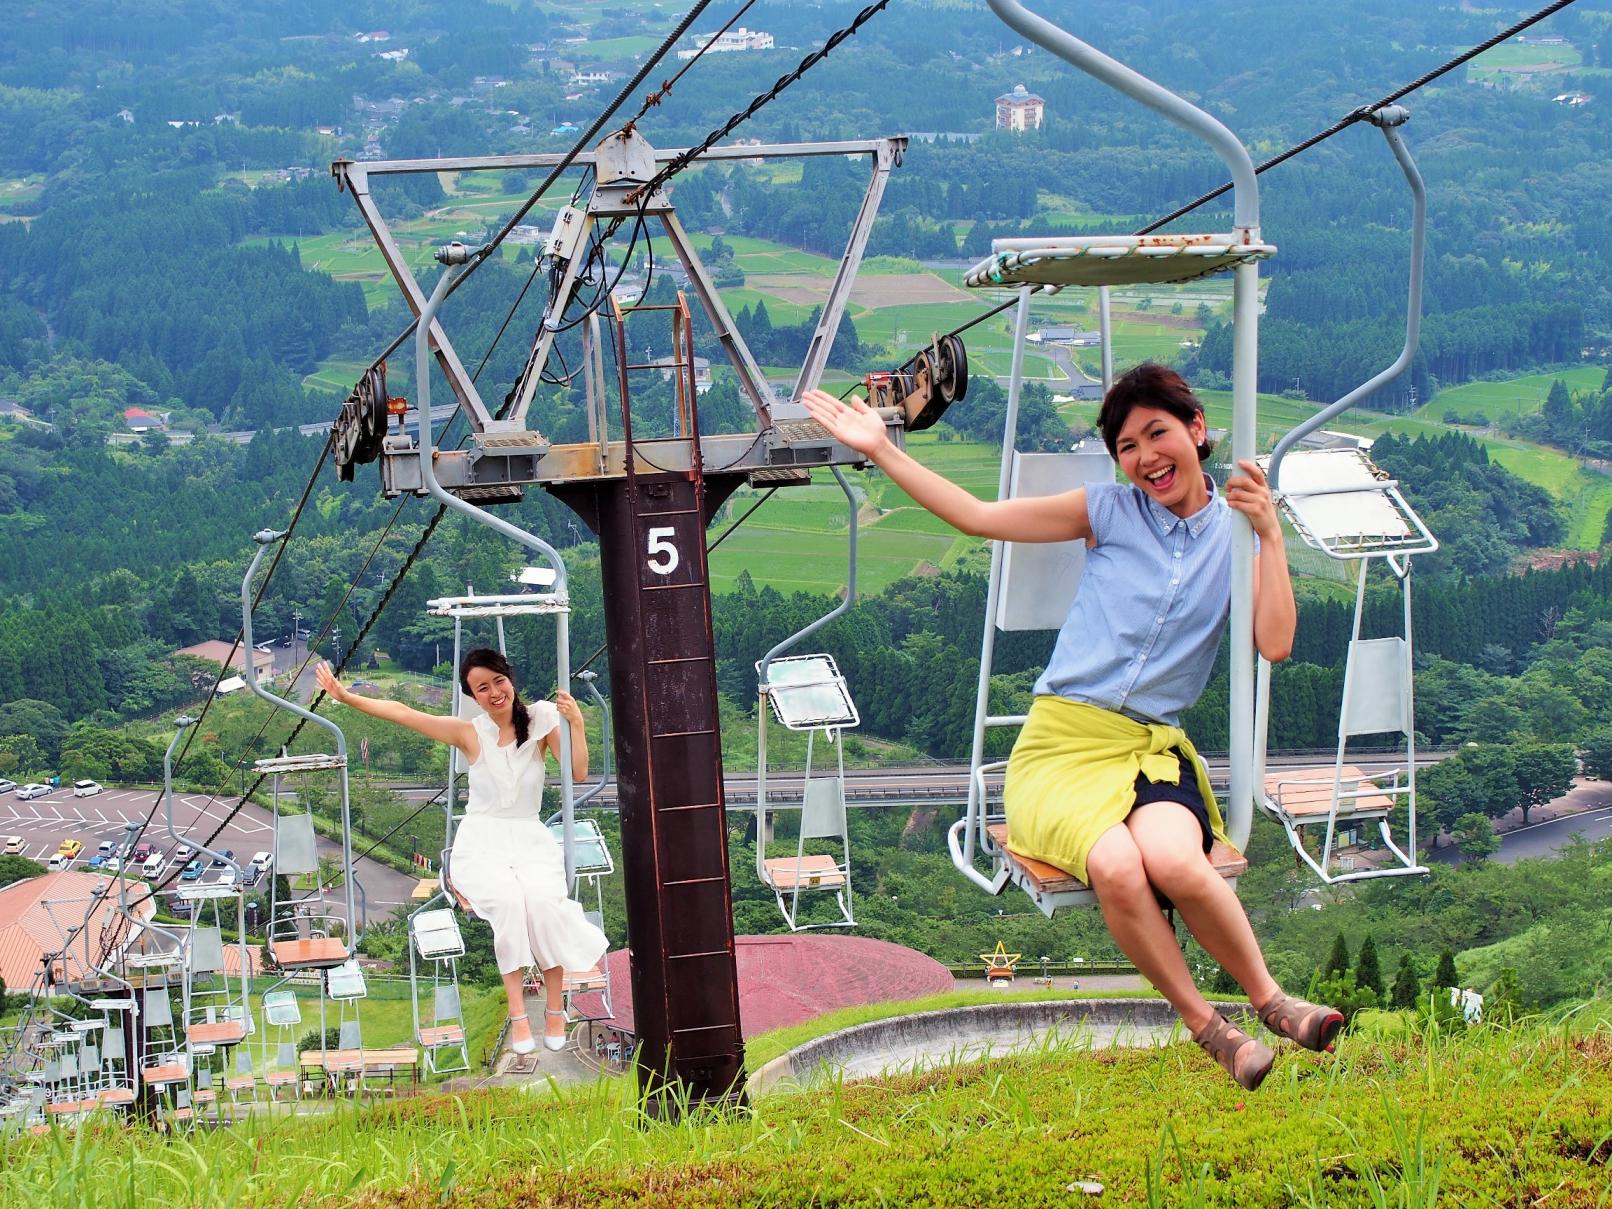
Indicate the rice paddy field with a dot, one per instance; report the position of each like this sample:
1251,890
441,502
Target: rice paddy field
899,304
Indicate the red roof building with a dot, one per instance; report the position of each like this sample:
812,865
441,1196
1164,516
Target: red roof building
785,980
37,914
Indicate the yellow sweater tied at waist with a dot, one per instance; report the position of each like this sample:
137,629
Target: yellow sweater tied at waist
1072,776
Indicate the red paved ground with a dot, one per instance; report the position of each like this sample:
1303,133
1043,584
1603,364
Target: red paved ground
784,980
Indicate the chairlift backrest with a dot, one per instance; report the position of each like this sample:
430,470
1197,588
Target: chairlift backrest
1039,579
159,1009
1379,696
280,1008
349,1036
295,848
445,1004
206,951
822,812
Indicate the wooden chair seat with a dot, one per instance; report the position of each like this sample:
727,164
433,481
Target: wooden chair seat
64,1107
1049,879
811,873
240,1083
172,1072
116,1095
280,1078
221,1032
590,979
446,1034
1305,794
204,1095
315,953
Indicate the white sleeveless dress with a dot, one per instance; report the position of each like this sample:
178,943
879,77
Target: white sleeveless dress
509,867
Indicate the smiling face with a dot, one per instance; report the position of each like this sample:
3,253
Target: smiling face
493,691
1159,453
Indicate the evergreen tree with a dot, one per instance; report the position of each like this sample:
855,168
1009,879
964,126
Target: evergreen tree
1406,987
1503,1004
1338,959
1445,976
1368,973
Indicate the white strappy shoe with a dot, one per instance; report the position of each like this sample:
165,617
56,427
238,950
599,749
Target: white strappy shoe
522,1047
554,1043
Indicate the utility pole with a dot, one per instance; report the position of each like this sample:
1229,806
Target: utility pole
335,637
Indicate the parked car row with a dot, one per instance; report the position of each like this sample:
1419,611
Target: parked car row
81,789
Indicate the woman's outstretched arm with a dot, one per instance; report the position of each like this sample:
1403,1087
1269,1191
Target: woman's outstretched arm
433,726
1044,518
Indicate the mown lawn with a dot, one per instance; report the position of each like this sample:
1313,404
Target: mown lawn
1494,1117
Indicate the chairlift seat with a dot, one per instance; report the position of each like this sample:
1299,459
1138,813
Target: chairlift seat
219,1032
591,979
1097,260
307,762
346,982
199,891
518,605
1305,795
809,691
589,851
237,1083
1049,879
310,953
204,1095
807,873
116,1095
1340,502
443,1034
167,1072
436,934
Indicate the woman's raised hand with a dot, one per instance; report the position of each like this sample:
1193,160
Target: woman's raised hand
1251,495
327,681
851,421
568,707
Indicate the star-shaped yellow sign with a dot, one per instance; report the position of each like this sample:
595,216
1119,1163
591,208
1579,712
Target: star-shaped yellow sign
1000,962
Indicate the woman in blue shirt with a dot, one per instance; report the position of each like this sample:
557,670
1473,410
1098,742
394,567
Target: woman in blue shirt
1102,781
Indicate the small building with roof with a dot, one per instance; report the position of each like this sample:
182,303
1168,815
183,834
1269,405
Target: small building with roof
38,914
1020,110
219,652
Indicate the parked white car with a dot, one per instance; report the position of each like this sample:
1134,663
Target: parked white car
33,791
86,789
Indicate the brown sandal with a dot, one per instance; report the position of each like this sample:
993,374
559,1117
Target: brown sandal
1245,1058
1311,1025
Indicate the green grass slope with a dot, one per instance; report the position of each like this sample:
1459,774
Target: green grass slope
1488,1118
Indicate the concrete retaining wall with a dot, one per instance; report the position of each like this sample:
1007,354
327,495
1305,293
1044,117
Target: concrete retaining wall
964,1034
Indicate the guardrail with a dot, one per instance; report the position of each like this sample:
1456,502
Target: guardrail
1034,966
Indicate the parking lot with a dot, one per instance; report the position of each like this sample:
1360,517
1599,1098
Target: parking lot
45,823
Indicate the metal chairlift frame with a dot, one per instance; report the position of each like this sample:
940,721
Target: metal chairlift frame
1395,551
1100,261
210,1030
837,878
352,921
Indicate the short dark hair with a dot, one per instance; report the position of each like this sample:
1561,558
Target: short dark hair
485,656
1149,385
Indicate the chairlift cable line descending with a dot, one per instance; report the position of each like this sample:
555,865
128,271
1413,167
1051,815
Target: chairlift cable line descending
1361,113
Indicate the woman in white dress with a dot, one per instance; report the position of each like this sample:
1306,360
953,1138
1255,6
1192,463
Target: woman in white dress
505,865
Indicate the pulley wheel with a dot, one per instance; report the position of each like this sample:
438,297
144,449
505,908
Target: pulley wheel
952,377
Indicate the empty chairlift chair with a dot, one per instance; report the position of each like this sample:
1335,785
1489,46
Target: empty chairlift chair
808,693
435,939
1342,504
282,1013
1032,586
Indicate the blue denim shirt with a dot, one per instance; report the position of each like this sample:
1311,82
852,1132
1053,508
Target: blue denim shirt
1142,634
